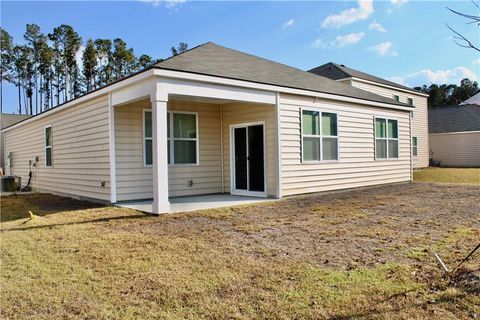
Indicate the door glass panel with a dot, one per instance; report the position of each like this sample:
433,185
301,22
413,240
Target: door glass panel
240,145
255,158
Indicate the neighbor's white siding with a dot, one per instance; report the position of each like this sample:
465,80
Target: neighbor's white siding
456,149
135,181
419,120
356,166
80,151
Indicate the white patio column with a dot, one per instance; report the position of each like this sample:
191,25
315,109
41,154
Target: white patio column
160,161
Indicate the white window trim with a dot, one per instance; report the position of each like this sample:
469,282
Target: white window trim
171,140
415,156
48,147
386,139
319,136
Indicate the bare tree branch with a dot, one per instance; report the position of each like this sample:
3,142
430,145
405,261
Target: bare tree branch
458,36
459,39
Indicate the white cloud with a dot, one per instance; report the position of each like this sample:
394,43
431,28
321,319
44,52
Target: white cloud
398,2
476,62
288,23
384,49
364,10
429,76
320,44
389,11
376,26
340,41
348,39
170,4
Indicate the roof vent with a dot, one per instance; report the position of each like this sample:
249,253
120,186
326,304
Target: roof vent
343,65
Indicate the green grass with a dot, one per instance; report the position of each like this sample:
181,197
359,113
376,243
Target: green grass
448,175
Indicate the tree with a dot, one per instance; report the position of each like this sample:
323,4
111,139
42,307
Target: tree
7,58
182,47
105,61
123,58
89,65
45,68
36,40
458,38
449,94
144,61
67,42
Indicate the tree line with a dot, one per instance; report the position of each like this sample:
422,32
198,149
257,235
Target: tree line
449,94
49,69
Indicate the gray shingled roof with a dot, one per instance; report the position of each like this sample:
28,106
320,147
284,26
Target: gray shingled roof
339,71
454,119
7,119
215,60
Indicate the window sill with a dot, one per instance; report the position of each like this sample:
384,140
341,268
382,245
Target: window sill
320,162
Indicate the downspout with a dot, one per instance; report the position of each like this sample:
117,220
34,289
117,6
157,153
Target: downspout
279,146
221,149
411,150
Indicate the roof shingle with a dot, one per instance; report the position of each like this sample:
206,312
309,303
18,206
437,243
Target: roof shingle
215,60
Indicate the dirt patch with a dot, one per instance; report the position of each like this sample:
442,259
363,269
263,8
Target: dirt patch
365,227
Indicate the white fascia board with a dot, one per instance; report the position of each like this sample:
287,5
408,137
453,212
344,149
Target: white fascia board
89,96
384,86
216,91
273,88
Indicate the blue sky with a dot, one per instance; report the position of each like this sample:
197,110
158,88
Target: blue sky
401,40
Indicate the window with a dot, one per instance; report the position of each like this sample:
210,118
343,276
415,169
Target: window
182,136
410,101
147,138
396,98
386,138
414,146
319,136
48,146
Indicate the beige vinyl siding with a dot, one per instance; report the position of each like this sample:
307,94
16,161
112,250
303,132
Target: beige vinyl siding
244,113
80,151
356,166
419,120
135,181
456,149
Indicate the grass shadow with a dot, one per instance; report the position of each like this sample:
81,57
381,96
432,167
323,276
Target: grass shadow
16,207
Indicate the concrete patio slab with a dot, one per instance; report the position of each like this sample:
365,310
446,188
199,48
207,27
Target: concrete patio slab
194,203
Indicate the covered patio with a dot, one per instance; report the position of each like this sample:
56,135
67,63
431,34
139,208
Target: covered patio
192,147
194,203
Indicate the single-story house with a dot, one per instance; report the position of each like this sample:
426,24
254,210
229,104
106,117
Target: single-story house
215,120
6,120
455,135
389,89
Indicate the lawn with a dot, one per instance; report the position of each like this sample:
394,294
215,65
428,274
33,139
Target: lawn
448,175
356,254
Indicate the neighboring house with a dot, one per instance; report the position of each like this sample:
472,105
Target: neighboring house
455,135
215,120
472,100
7,120
392,90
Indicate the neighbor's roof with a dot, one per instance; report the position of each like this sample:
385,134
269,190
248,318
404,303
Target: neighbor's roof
7,119
212,59
339,71
473,100
454,119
